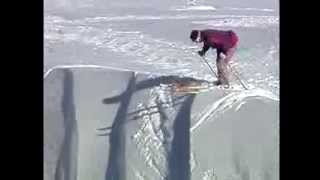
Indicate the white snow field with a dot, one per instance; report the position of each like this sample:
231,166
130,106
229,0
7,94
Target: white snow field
109,113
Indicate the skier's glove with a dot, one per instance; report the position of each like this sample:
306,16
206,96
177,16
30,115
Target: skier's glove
201,53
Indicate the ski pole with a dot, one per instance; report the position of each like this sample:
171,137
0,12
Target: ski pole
210,67
237,76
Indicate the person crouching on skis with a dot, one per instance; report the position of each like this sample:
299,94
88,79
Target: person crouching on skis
225,43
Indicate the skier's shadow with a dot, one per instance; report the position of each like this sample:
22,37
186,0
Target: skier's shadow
178,158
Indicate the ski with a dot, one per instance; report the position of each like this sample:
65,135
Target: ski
196,88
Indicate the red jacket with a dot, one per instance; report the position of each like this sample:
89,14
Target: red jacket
222,40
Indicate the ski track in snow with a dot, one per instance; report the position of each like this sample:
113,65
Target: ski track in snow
229,101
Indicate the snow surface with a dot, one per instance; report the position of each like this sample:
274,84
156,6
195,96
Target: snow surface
108,109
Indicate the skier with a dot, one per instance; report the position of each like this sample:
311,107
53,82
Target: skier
225,43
